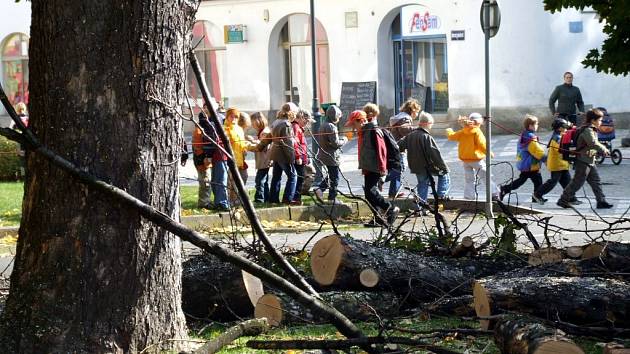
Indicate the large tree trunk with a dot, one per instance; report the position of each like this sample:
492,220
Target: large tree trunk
591,301
91,276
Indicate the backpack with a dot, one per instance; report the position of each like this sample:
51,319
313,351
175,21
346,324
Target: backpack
210,135
393,152
568,144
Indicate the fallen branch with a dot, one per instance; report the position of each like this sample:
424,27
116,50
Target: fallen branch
344,344
247,328
516,222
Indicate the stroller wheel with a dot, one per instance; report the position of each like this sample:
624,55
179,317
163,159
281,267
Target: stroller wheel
616,157
599,159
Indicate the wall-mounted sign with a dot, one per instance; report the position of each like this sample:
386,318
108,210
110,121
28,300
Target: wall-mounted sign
234,34
417,20
458,35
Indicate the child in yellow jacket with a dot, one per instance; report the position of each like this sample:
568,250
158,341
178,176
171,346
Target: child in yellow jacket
529,155
472,152
558,166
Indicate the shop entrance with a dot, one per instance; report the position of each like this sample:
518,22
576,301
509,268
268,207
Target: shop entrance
421,69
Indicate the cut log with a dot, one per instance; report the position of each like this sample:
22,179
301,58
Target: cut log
545,256
363,306
613,255
592,301
522,335
615,348
466,248
341,262
574,252
458,306
217,290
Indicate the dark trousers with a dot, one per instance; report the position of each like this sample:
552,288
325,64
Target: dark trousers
584,173
564,177
535,176
299,169
331,182
262,186
370,187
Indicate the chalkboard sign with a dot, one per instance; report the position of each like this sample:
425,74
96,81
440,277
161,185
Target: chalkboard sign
355,95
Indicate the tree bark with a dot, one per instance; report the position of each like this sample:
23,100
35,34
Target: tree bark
342,262
361,305
218,290
90,275
521,335
591,301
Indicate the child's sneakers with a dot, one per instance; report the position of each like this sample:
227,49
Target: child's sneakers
537,199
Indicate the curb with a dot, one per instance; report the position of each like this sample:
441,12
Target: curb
315,212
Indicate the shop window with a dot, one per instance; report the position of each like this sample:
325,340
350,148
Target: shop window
210,52
15,67
298,78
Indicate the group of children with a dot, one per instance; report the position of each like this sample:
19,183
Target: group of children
383,154
531,155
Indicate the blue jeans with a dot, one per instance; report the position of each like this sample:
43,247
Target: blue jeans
219,184
443,185
276,178
331,182
262,186
393,177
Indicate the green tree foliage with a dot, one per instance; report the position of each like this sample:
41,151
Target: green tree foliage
614,56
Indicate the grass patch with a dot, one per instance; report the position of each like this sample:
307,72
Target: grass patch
457,343
11,194
318,332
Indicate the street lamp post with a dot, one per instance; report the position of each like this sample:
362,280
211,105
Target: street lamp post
316,114
490,20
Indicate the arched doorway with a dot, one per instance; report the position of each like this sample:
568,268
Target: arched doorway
417,52
15,67
211,54
290,73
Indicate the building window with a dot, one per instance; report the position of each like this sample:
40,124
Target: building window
15,67
210,52
296,45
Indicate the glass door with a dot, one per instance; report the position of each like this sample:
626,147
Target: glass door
421,72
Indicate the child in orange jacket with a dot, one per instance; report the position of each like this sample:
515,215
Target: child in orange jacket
472,152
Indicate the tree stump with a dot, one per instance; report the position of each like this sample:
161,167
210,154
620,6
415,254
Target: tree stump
466,248
363,306
521,335
217,290
593,301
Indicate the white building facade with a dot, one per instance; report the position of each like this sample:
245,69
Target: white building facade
431,50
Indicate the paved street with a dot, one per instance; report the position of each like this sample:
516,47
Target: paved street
614,177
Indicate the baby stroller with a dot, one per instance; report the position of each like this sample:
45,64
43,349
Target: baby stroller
606,135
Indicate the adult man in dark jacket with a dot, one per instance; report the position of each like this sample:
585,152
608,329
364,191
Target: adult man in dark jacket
568,96
424,158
